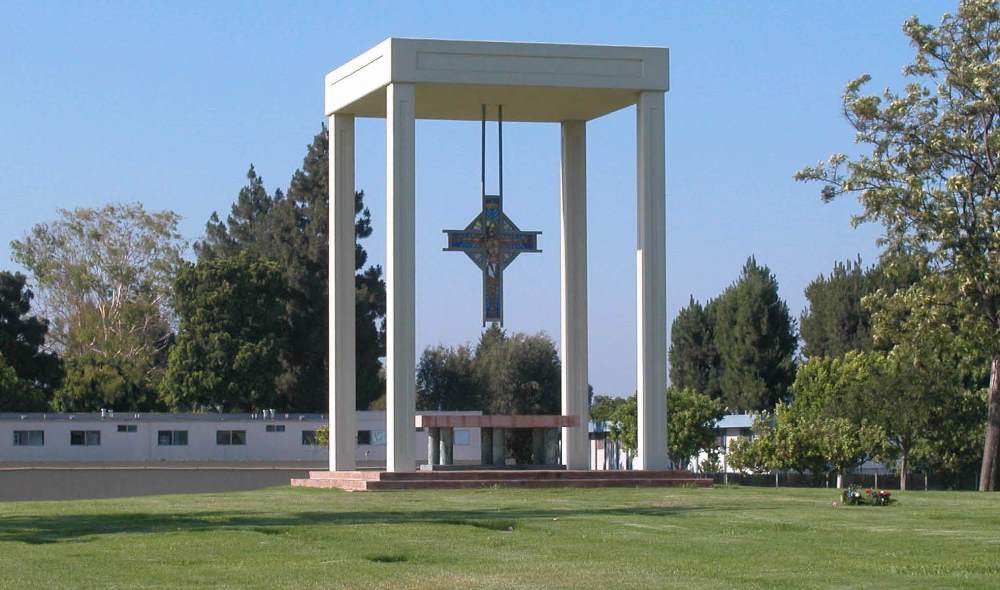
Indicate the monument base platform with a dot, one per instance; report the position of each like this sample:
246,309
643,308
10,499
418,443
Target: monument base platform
478,467
366,481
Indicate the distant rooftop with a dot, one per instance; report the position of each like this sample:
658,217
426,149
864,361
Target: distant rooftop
736,421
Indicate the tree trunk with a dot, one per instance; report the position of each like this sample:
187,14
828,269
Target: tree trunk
988,474
840,480
904,464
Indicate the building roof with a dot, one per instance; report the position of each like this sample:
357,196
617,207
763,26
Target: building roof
736,421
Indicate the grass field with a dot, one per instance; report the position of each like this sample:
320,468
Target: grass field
492,538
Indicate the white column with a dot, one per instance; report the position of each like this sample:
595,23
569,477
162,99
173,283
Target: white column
400,278
651,282
343,425
573,225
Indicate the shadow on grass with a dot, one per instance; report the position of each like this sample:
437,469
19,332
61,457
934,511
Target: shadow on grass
39,530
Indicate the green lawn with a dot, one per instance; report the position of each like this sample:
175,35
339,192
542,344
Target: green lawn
493,538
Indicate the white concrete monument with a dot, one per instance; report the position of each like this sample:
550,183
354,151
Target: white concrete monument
405,79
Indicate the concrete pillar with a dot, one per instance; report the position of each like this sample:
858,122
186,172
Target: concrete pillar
486,446
651,282
342,384
573,264
433,448
447,446
538,446
499,447
400,277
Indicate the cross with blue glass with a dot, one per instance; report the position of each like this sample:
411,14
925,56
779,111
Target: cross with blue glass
492,240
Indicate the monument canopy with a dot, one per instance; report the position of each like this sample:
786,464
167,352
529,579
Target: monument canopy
535,82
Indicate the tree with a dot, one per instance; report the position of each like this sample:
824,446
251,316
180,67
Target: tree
518,374
292,230
94,382
104,279
504,374
244,224
755,339
17,394
838,317
691,420
874,389
603,406
446,379
227,354
625,425
835,321
844,445
932,178
806,442
37,371
694,360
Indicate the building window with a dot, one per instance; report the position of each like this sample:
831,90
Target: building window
309,437
378,437
172,438
29,438
85,438
231,437
275,428
128,428
364,437
462,437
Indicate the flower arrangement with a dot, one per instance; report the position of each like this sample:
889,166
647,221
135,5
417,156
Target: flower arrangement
855,495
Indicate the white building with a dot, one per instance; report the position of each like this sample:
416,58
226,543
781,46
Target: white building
124,438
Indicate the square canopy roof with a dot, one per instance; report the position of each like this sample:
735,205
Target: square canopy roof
533,81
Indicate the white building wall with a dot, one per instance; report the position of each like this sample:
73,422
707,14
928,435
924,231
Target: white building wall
142,446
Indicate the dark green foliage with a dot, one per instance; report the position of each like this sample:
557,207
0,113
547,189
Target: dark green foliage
755,338
18,395
94,382
694,361
835,321
246,221
446,379
739,347
31,373
518,374
232,326
292,230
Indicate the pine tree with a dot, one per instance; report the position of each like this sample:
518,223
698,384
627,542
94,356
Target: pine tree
291,229
22,346
755,338
694,362
835,320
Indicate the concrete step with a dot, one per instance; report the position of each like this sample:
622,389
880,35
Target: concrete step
533,483
376,481
500,474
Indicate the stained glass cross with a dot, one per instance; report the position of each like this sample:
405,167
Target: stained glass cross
492,241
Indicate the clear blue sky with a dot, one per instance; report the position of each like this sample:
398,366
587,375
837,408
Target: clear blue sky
168,104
